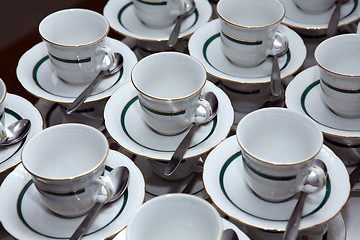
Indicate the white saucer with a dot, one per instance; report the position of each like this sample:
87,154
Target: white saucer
225,185
36,75
126,126
205,45
227,225
303,94
25,217
17,108
156,186
317,23
122,18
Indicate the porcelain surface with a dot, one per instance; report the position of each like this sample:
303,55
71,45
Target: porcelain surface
223,167
37,76
126,126
23,214
315,24
122,18
205,45
227,224
17,108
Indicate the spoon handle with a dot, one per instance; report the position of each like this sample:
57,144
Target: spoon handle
82,97
334,21
180,151
292,227
175,32
88,220
276,86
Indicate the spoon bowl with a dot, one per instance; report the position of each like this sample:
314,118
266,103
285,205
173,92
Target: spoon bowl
119,178
201,117
16,132
118,63
279,48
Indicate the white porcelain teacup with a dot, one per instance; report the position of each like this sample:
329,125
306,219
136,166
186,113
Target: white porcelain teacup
169,86
314,6
247,29
278,147
158,14
66,163
339,59
175,216
75,40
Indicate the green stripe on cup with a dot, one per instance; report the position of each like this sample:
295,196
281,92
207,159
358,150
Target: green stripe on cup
242,42
84,60
63,194
170,114
342,90
155,3
270,177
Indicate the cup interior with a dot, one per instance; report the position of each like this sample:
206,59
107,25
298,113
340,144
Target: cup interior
340,54
72,27
176,217
65,151
168,75
260,13
279,136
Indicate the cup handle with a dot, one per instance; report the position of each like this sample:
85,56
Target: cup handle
318,182
202,111
176,7
3,135
107,186
109,58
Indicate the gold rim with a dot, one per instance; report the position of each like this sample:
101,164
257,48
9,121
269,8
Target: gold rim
253,27
73,177
170,99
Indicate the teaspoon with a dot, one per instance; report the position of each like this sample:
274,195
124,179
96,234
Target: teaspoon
279,48
190,8
16,132
181,149
335,17
119,177
292,227
118,63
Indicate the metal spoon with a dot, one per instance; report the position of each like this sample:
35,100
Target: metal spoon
229,234
335,17
292,227
279,48
118,63
119,177
181,149
190,8
16,132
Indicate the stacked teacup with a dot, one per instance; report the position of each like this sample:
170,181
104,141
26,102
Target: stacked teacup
248,30
278,148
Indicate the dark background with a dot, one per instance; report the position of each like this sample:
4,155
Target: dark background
19,20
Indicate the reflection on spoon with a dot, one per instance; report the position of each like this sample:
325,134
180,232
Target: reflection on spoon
16,132
119,177
201,118
292,227
279,48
